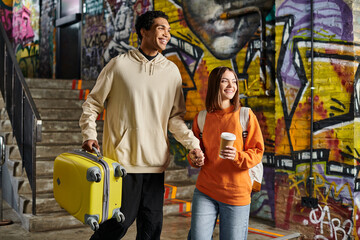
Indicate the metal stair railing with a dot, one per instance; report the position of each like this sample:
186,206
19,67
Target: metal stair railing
24,117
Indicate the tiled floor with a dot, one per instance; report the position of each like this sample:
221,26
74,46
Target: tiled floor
174,227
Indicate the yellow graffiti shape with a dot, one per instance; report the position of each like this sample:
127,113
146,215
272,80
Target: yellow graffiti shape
298,179
8,3
335,194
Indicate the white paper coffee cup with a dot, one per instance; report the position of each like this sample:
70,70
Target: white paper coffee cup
227,139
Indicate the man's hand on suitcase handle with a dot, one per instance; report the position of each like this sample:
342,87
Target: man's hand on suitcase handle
89,144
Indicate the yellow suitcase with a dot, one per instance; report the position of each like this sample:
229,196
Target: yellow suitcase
88,186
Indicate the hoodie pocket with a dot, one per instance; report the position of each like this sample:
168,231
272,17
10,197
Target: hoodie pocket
123,148
143,147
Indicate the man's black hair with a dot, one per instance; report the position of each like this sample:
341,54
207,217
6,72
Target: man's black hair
146,20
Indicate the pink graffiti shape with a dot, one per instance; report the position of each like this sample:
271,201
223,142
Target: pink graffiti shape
22,30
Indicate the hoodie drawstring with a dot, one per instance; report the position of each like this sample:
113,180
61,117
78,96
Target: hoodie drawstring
143,63
135,54
152,67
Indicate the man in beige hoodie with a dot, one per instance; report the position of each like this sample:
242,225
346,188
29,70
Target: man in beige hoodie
142,92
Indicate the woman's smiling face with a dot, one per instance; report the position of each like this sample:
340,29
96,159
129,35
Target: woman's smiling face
228,86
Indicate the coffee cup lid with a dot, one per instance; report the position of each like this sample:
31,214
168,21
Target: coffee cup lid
228,136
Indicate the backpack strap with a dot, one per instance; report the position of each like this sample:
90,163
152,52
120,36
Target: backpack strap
201,121
244,121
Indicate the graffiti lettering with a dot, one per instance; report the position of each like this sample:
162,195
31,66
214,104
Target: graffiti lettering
334,224
99,39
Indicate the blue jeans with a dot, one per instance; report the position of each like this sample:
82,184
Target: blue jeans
234,220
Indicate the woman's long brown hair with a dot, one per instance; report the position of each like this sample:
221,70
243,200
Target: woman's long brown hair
213,97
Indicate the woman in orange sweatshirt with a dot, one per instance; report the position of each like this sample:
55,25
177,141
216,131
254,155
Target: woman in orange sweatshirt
223,187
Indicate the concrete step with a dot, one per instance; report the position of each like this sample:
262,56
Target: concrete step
3,114
50,222
52,151
14,153
66,126
47,152
5,125
65,138
62,220
61,114
44,151
2,103
15,167
57,93
179,190
43,185
45,203
45,169
8,137
59,83
59,103
177,206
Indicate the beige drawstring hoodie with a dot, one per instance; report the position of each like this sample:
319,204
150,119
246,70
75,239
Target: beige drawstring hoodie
143,100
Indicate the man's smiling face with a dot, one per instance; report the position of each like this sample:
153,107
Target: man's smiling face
157,37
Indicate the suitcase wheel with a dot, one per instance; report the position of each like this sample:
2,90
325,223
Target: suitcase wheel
93,223
93,174
124,172
119,216
119,171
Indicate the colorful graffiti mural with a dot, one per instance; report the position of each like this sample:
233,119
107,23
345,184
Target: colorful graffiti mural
336,152
268,44
21,21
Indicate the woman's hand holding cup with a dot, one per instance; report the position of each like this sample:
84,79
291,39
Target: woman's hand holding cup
228,153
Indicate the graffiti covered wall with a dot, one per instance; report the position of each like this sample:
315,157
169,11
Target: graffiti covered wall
264,41
268,44
21,22
47,40
336,152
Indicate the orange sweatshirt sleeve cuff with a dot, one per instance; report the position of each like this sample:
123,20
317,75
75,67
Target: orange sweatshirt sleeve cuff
238,159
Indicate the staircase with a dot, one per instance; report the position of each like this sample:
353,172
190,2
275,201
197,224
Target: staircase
59,103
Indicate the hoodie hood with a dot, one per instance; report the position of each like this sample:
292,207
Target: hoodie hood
145,64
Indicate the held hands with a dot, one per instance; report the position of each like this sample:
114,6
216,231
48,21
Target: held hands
197,157
229,153
89,144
